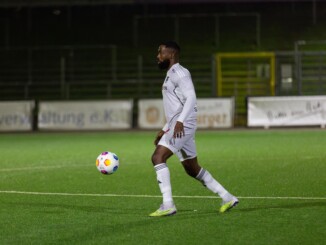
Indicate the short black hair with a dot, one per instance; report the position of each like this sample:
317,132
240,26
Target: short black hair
172,44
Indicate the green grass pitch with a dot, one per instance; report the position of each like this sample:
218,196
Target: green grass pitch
52,193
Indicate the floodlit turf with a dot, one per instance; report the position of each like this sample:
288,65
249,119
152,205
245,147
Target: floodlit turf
52,193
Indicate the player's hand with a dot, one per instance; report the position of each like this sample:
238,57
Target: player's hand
158,137
178,130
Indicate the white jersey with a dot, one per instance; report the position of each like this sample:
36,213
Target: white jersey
179,97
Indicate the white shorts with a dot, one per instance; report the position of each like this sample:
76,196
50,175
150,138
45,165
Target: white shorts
184,148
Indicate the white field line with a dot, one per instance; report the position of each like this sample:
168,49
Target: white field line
42,168
148,196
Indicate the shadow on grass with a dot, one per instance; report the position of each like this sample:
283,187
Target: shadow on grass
260,207
284,206
187,213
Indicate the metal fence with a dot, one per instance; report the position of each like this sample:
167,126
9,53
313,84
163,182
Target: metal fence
93,72
301,73
99,72
55,72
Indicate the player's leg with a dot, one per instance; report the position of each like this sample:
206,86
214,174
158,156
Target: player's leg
166,147
187,156
159,159
193,169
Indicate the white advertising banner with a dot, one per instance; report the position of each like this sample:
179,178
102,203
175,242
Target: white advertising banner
16,115
287,111
85,115
212,113
215,113
150,114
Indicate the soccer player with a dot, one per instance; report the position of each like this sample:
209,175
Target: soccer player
178,134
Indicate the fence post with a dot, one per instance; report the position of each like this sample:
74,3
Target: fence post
63,77
29,71
213,76
298,64
140,74
113,70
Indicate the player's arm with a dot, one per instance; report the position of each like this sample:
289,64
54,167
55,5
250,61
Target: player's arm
178,130
189,94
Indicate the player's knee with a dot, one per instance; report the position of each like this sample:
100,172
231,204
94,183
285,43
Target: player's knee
190,172
193,172
188,169
161,155
156,159
191,167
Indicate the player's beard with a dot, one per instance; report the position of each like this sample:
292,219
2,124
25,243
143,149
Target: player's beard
164,65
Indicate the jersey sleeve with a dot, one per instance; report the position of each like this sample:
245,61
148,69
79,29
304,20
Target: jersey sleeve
165,127
188,91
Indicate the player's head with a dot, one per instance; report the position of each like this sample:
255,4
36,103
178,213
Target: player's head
168,54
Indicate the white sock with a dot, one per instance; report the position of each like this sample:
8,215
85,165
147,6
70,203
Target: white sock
163,179
207,180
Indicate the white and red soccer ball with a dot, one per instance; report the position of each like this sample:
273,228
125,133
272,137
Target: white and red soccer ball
107,162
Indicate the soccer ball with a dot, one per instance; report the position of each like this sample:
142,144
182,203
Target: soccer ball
107,162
